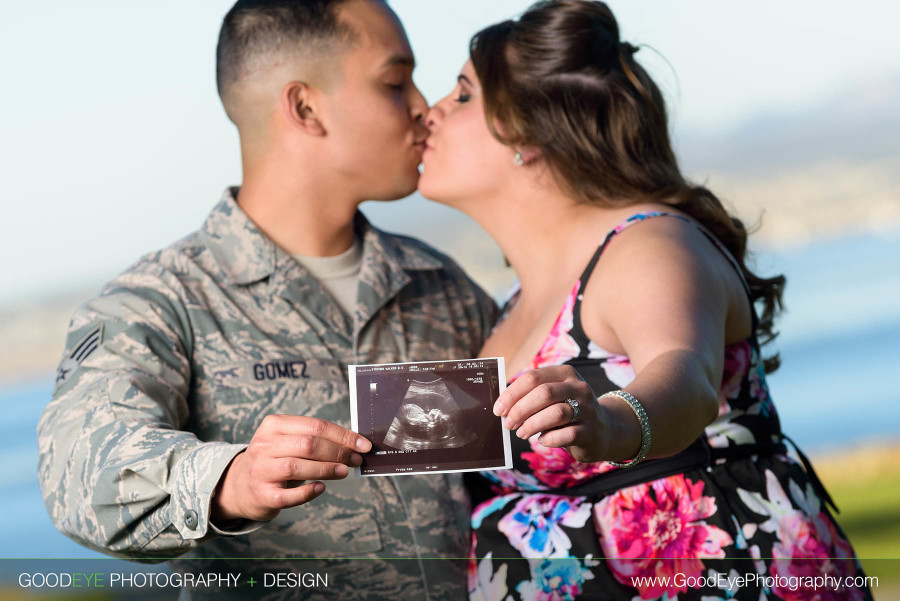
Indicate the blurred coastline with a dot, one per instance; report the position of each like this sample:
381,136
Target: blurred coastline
799,179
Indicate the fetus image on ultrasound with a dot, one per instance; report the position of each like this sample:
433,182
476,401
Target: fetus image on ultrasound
428,418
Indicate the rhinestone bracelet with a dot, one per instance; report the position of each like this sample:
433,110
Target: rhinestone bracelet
645,427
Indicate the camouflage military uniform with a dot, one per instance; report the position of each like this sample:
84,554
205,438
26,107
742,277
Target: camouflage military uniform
170,370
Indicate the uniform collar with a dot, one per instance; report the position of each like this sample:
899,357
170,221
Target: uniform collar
244,253
405,252
247,255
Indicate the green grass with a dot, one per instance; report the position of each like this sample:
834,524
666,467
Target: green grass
869,499
870,515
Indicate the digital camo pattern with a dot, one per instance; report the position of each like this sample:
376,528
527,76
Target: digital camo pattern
200,342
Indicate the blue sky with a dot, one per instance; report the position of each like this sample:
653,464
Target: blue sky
114,142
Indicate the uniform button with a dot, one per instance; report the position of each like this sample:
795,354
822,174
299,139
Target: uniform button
190,519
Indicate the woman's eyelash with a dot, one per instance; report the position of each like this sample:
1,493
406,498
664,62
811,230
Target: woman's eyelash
462,97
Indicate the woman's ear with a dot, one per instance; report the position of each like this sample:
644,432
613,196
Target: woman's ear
530,154
299,103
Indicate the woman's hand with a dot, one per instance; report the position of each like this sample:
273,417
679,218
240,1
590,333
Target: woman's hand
536,402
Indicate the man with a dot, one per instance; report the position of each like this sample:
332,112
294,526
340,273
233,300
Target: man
242,332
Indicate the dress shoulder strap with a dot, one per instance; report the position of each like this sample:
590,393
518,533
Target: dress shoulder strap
637,218
643,216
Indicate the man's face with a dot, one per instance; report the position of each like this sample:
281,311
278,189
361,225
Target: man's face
372,116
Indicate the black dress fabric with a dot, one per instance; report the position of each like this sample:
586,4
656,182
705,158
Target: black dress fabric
732,517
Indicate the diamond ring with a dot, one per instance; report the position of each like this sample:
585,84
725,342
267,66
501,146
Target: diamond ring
576,410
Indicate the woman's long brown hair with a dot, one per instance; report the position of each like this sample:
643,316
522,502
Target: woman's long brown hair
559,79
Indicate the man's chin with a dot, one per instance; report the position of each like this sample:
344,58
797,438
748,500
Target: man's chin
400,190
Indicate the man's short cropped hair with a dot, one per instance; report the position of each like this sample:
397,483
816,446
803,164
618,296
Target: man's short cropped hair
257,33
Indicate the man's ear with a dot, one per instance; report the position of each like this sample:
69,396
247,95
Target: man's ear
299,103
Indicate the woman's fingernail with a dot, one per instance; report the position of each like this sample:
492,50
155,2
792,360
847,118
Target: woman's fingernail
356,459
508,423
341,470
498,408
363,445
318,487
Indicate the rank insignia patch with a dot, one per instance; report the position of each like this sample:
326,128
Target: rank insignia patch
81,351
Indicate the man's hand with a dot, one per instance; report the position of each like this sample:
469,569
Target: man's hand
285,448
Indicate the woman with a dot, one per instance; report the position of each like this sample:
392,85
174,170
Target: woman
554,136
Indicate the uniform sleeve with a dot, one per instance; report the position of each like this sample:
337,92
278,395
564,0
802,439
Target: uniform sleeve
117,471
481,308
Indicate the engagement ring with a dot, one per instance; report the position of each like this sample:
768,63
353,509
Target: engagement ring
576,410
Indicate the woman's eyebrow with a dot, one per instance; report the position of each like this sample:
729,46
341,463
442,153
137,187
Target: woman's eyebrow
464,78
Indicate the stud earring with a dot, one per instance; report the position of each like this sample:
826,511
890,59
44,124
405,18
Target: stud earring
518,159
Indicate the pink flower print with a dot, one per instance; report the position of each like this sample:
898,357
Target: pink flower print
806,537
759,389
617,368
472,567
635,219
559,347
533,527
556,467
800,556
509,481
737,361
808,548
488,507
659,534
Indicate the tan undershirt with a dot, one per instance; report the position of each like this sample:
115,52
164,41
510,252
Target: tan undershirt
339,274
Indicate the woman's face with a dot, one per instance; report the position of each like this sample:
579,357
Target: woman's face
462,160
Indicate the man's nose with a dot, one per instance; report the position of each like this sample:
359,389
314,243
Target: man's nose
418,106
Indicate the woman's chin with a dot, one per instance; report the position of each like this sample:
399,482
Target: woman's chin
430,191
435,190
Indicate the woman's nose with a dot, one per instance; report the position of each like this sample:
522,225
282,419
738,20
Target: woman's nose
433,117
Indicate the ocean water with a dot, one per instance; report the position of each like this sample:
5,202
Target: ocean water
840,351
839,342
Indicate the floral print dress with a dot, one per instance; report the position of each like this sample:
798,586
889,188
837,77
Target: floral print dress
746,521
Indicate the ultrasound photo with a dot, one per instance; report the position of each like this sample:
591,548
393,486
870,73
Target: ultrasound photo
430,416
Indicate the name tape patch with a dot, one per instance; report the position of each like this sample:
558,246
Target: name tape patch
275,370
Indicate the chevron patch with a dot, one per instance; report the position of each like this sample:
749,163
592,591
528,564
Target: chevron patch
81,351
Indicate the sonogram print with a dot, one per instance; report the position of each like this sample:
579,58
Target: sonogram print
428,418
